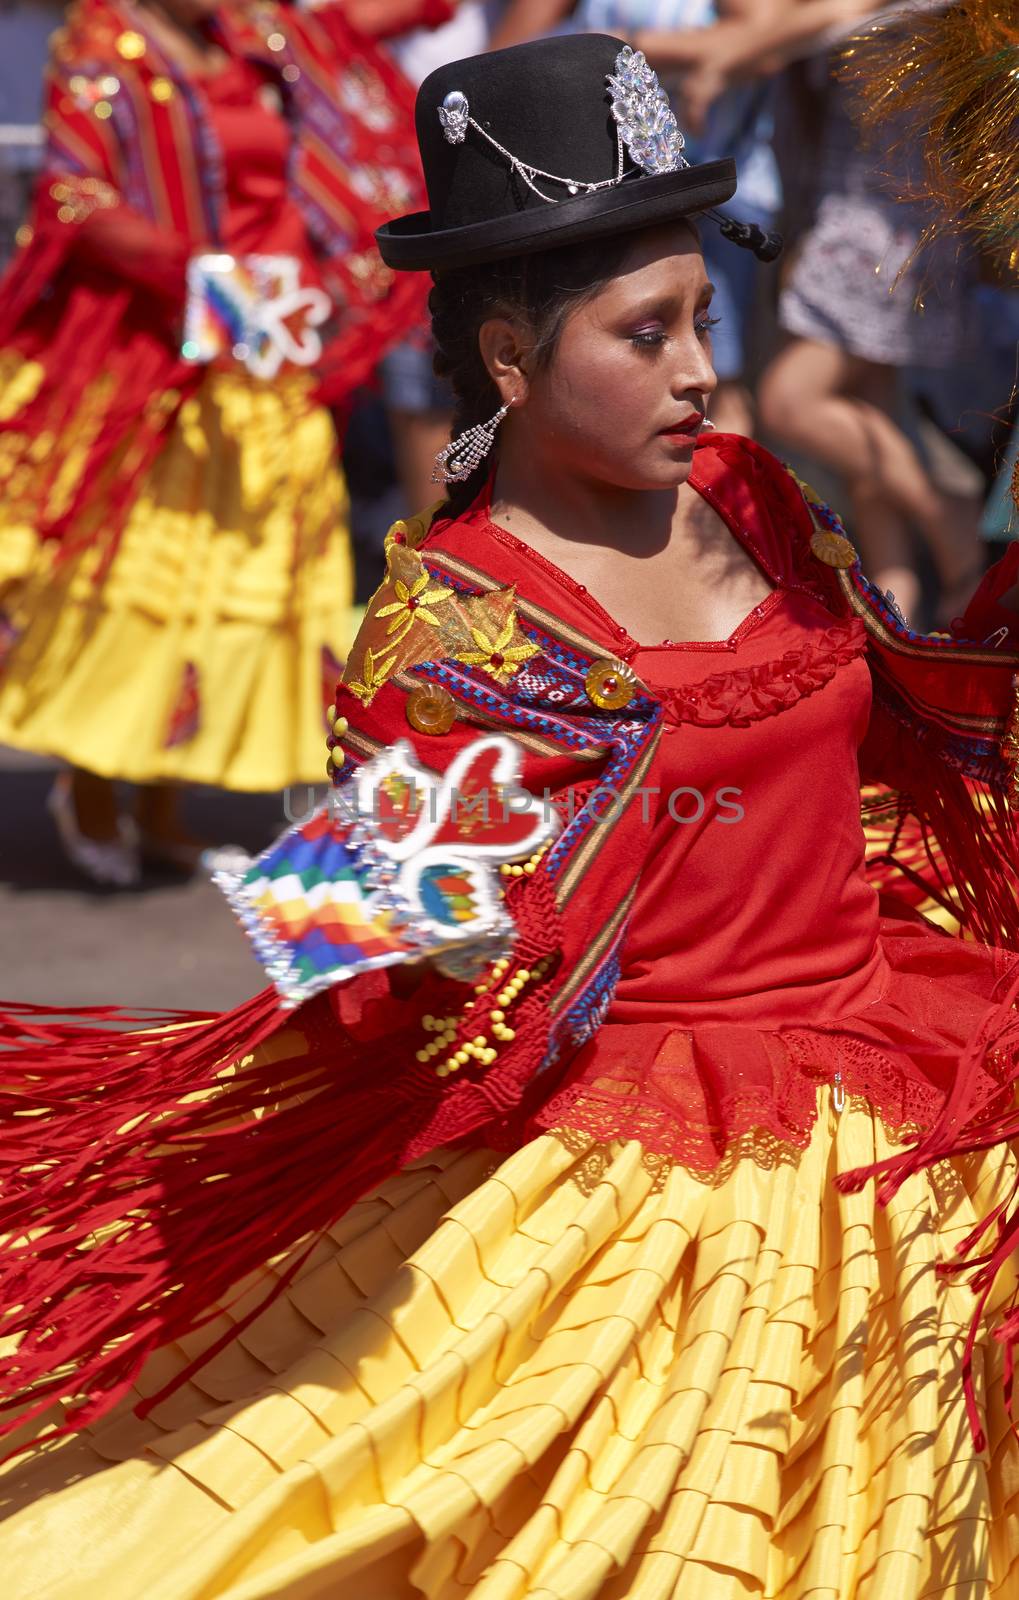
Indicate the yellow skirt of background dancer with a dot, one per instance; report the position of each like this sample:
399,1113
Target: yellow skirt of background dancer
201,653
577,1373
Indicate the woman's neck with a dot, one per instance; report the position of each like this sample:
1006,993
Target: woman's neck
550,509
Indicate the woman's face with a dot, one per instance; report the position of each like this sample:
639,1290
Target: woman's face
625,393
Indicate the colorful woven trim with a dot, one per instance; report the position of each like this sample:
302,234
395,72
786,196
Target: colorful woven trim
400,863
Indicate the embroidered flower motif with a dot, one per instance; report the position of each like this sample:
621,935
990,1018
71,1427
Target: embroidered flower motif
412,604
499,656
374,672
479,630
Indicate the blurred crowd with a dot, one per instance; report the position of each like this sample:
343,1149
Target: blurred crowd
880,362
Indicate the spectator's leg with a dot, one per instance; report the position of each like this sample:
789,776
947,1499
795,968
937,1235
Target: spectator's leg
732,409
95,805
420,408
840,410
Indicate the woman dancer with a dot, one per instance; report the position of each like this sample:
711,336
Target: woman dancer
174,561
670,1340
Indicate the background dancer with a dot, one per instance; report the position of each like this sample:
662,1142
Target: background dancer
174,564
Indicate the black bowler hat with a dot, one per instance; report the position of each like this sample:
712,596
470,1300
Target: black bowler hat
545,144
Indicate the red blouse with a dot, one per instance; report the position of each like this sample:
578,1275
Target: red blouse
728,922
755,962
731,921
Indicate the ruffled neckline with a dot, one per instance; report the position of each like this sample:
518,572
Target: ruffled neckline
742,695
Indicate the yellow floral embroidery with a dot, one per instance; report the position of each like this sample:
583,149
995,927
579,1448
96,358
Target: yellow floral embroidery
502,655
374,673
399,628
413,618
412,605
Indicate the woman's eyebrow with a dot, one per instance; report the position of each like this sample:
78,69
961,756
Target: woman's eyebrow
668,302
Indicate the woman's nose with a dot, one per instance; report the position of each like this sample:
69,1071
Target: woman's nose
694,371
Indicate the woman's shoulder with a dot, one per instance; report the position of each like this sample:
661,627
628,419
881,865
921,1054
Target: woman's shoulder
745,475
783,517
475,553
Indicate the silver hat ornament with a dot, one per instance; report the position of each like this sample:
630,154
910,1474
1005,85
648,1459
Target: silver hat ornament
646,122
454,114
645,125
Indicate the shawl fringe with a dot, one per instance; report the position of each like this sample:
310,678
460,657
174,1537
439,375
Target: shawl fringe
178,1159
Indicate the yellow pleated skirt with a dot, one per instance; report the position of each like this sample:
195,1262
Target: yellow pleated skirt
577,1373
202,651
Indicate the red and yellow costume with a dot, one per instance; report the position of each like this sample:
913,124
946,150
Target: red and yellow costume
174,561
669,1341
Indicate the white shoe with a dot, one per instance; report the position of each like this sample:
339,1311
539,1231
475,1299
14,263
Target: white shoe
113,863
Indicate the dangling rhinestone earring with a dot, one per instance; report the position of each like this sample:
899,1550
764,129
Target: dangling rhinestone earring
458,460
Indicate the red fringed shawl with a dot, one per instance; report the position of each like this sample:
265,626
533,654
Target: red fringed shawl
90,309
142,1175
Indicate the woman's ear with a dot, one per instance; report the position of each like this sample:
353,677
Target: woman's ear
505,353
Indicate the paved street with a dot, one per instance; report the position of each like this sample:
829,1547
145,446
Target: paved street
166,943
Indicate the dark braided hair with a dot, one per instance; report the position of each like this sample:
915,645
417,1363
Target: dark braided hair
542,288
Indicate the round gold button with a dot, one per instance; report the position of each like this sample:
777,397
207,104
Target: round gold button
431,709
610,685
833,549
162,90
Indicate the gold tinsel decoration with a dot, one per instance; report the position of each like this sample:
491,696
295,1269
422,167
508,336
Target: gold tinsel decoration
951,79
945,83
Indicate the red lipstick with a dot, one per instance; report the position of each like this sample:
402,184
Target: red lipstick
687,429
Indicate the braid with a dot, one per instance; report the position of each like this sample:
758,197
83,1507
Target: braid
543,289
